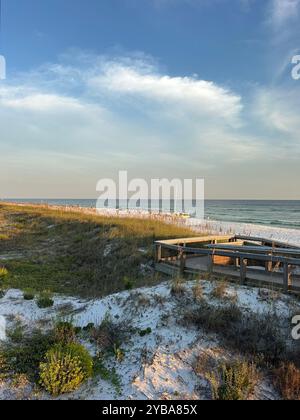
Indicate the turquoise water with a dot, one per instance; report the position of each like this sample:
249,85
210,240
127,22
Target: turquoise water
284,214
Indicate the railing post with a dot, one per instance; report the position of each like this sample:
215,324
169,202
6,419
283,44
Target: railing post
182,259
269,266
158,253
286,277
243,270
210,263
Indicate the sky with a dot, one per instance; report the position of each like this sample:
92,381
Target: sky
160,88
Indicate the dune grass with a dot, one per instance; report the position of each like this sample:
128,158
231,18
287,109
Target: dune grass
75,253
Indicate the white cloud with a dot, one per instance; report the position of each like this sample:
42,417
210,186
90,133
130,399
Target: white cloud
68,124
282,11
190,95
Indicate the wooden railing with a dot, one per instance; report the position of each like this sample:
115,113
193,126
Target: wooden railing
280,255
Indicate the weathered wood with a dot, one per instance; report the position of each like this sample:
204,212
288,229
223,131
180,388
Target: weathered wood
232,254
244,259
269,266
287,281
200,239
210,265
158,253
243,270
257,249
182,259
265,241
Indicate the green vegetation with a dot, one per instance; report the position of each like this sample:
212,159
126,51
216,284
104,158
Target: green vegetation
66,252
109,336
54,360
3,272
65,368
233,381
29,294
45,300
145,332
252,334
24,356
65,333
109,375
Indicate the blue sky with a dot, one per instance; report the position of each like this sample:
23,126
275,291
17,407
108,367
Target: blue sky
189,88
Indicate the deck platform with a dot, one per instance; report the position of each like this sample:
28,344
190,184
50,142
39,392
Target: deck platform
249,260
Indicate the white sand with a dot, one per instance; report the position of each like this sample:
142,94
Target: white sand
158,365
291,236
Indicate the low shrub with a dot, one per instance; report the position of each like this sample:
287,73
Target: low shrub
16,334
220,290
106,374
198,292
147,331
4,367
65,368
119,353
253,334
29,294
25,357
109,335
287,381
214,319
19,381
45,300
259,335
3,272
89,327
2,293
234,381
64,333
178,288
129,284
4,237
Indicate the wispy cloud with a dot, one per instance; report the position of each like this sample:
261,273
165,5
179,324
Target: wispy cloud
88,116
283,11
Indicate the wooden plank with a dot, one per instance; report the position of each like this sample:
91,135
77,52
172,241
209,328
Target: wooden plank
267,241
200,239
237,254
258,249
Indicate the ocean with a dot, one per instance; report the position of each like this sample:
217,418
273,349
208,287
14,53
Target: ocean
285,214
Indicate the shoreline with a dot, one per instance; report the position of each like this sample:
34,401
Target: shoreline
289,235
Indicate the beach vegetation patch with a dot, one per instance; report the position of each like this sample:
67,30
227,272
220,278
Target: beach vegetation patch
65,368
45,300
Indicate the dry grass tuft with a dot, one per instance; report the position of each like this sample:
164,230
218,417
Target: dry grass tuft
287,381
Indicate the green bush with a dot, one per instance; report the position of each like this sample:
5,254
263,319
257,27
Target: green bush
65,368
29,294
128,283
2,293
45,300
3,272
147,331
77,350
16,334
235,381
25,357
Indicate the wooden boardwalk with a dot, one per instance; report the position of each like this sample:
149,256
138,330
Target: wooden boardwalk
251,260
